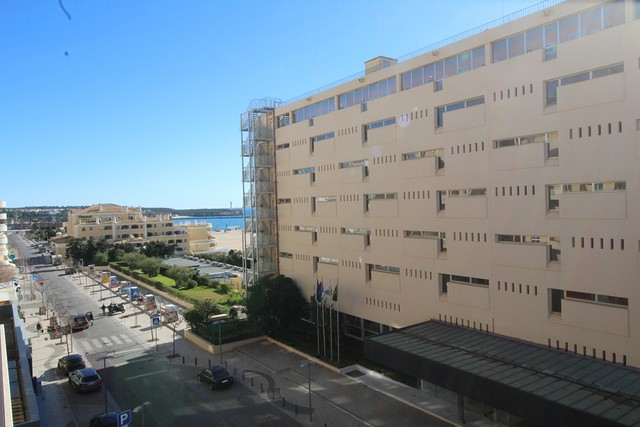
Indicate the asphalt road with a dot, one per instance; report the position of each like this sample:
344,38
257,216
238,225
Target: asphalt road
132,372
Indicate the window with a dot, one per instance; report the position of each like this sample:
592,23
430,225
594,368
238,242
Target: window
436,152
554,249
286,255
551,86
477,281
325,260
440,236
304,170
448,67
376,125
384,268
557,296
367,93
323,137
318,109
368,198
560,31
455,106
284,201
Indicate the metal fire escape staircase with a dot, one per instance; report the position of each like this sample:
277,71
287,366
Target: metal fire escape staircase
259,238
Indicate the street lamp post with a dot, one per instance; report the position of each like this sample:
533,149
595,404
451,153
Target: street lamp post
219,322
308,365
141,410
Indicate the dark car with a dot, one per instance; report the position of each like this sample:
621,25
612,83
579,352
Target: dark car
84,380
80,321
108,419
70,363
216,377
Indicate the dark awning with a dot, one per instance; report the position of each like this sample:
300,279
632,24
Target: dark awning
541,385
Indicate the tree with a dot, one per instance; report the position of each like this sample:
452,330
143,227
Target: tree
101,258
274,302
151,266
182,275
201,312
158,249
134,260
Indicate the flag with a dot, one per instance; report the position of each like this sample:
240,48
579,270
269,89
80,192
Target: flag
319,291
334,297
327,294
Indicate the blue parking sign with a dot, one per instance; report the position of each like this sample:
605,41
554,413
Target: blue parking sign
124,418
155,321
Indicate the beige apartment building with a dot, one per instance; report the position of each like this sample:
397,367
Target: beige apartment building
490,182
122,224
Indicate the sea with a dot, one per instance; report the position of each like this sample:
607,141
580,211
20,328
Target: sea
218,223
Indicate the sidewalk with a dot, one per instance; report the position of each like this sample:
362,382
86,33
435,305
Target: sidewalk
353,396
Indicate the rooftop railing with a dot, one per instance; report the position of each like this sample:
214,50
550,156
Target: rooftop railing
434,46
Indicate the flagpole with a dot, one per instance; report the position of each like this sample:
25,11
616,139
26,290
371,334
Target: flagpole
335,299
331,331
324,332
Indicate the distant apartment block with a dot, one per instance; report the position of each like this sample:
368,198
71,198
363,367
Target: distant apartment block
122,224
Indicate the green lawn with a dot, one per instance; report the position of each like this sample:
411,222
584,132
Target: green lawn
202,293
199,292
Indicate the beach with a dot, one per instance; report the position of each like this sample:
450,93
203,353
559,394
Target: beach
229,240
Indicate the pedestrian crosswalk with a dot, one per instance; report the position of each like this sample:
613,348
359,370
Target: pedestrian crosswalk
95,344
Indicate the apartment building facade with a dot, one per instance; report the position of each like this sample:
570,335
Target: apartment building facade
123,224
490,183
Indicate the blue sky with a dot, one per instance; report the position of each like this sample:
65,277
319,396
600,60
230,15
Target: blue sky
138,102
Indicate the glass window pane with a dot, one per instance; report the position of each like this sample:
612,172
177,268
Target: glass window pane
439,70
499,51
416,77
357,96
478,57
608,70
534,39
569,28
405,80
516,45
391,85
574,79
451,66
475,101
464,62
551,34
591,21
613,14
551,92
428,73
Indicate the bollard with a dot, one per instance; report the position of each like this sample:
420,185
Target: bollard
226,366
209,362
183,360
251,381
243,375
296,408
284,402
235,371
261,388
196,361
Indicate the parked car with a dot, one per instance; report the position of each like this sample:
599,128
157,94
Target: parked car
70,363
216,377
84,380
108,419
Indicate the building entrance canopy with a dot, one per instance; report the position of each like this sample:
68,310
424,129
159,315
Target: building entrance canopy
541,385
